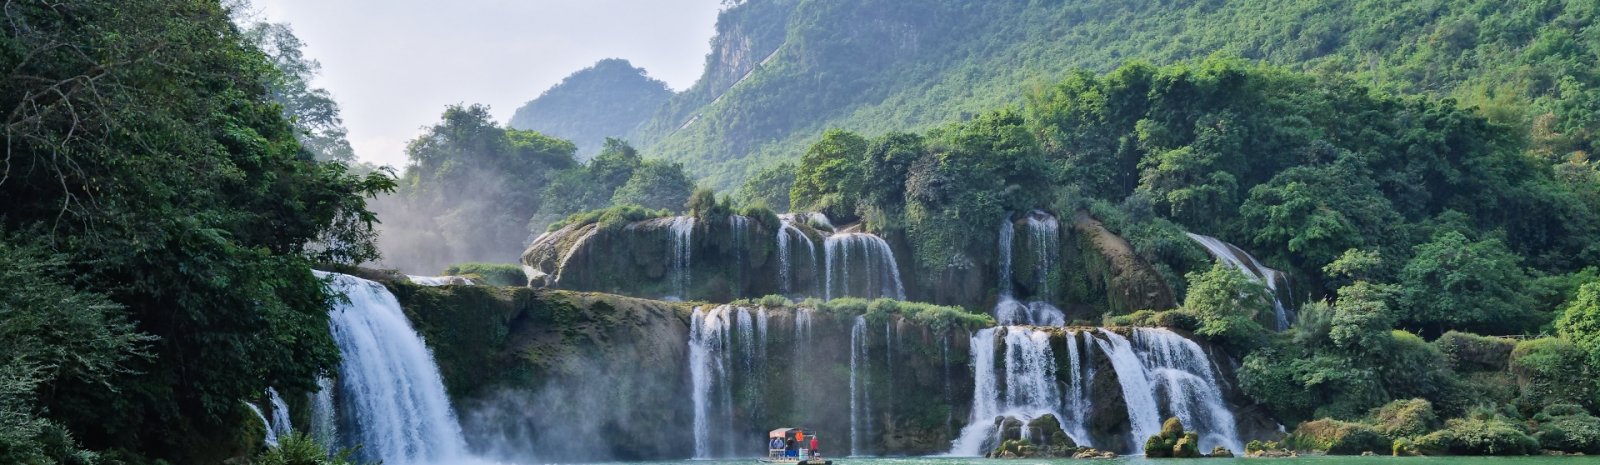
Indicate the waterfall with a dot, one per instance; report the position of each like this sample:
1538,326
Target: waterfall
707,341
280,414
1043,233
1077,401
882,274
1031,387
801,358
324,419
438,280
1009,311
1143,413
271,438
1007,234
789,232
678,259
1182,375
1238,259
860,403
388,379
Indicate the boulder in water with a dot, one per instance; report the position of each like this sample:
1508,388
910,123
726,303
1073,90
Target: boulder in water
1221,452
1187,447
1087,453
1173,441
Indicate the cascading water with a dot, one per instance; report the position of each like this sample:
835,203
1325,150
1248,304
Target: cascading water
1238,259
786,234
1043,232
1031,389
708,375
390,386
271,438
280,414
882,274
324,423
681,232
438,280
860,403
1182,375
1143,413
1009,311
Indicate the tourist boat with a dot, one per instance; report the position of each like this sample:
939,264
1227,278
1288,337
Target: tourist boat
795,447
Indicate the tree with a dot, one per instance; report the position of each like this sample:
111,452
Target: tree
315,115
1310,214
830,175
52,335
1456,283
470,190
1230,306
1580,322
769,187
656,185
164,174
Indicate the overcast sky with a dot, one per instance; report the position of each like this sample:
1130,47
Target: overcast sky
394,64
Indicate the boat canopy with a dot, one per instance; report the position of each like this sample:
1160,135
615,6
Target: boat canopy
792,433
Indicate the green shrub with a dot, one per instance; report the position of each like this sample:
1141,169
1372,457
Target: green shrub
1470,352
1577,431
300,449
1337,437
1403,418
775,301
1176,319
1562,410
1553,371
611,219
1464,436
764,216
493,274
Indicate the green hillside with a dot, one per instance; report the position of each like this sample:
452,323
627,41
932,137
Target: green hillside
604,100
878,65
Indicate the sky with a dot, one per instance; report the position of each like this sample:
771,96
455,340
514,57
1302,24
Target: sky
393,65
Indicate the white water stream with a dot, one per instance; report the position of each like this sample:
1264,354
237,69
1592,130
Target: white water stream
391,387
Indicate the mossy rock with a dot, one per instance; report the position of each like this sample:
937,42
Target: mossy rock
1188,446
1404,419
1113,267
1338,437
1478,437
1157,447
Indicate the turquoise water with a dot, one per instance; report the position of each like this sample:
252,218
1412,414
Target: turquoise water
1323,460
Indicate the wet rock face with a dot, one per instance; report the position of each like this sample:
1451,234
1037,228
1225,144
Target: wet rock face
1116,271
677,257
567,376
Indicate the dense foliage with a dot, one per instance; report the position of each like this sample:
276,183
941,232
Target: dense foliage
601,101
168,219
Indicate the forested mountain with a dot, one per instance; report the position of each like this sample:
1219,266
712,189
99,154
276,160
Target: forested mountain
605,100
879,65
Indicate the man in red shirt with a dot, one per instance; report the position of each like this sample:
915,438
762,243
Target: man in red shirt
814,452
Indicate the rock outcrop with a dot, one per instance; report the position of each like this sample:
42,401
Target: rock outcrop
1115,271
575,376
